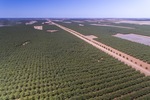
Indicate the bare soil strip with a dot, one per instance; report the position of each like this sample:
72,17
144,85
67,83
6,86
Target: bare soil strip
31,22
113,26
52,31
91,37
134,22
4,25
78,21
127,59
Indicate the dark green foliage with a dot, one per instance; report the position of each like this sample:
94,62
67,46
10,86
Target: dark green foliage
59,66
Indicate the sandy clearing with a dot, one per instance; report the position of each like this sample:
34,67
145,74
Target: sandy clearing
31,22
135,22
49,23
38,27
125,58
135,38
112,26
81,25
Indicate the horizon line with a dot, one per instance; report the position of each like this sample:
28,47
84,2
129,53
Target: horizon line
76,17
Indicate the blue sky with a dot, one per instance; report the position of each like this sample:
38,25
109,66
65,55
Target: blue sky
75,8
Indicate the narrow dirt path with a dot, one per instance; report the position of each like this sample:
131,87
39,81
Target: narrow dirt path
127,59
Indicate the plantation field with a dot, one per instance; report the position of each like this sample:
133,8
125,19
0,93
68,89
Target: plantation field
59,66
105,35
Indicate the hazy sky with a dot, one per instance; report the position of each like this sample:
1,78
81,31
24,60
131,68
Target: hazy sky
75,8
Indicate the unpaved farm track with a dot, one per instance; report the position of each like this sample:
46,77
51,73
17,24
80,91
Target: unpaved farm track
137,64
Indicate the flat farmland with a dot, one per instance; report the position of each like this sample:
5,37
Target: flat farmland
59,66
105,35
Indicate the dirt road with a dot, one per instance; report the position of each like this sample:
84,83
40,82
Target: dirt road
127,59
